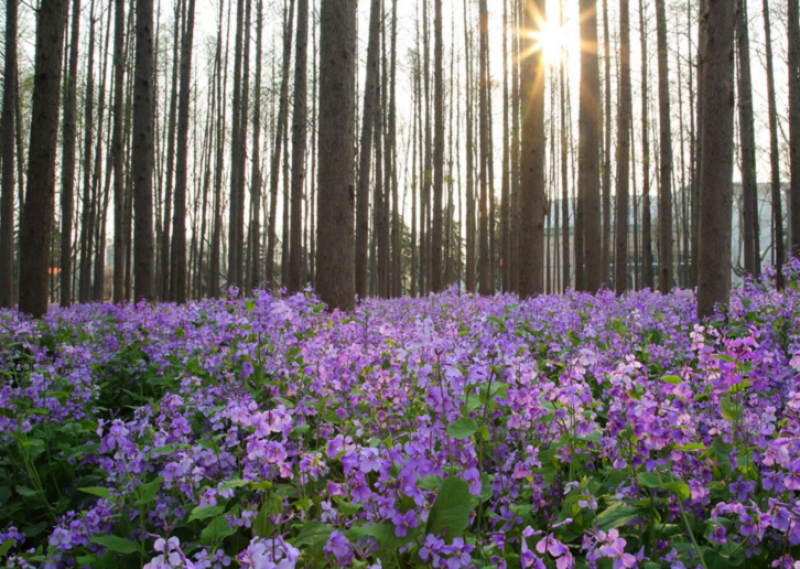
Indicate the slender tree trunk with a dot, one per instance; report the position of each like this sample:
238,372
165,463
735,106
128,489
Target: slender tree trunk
298,150
716,168
623,152
483,166
696,198
774,156
335,278
254,243
470,221
142,155
37,216
565,249
178,261
391,164
747,140
365,148
116,146
532,186
647,229
590,141
794,123
665,275
607,148
7,127
438,149
87,226
279,133
236,176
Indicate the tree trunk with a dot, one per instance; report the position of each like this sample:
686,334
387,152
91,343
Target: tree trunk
590,140
7,127
254,237
335,278
37,216
647,228
716,160
565,249
532,184
607,149
774,156
665,276
483,166
116,148
87,226
623,152
470,221
178,259
438,150
365,148
747,140
142,155
794,123
276,150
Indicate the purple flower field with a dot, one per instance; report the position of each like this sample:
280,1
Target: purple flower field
451,431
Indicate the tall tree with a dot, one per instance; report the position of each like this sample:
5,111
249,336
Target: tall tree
335,278
665,277
365,147
484,257
532,184
283,105
794,122
37,215
142,155
774,156
116,149
607,147
254,245
7,127
623,151
298,149
589,146
716,160
437,283
236,202
178,288
747,138
87,215
647,228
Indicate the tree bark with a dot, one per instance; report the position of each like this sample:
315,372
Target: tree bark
116,148
532,186
298,150
623,152
335,278
774,156
747,141
607,149
794,123
8,126
142,155
665,275
589,146
716,160
37,216
647,227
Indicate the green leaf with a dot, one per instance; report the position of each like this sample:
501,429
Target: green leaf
462,428
25,491
667,482
673,379
207,512
149,491
115,544
100,491
451,509
692,446
216,531
234,483
6,547
616,515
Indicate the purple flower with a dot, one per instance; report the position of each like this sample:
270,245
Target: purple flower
404,522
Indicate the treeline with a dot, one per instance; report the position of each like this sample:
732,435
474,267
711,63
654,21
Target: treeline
138,162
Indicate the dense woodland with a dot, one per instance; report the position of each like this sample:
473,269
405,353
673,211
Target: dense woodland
173,150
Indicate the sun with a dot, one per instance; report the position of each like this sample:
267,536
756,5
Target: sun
549,38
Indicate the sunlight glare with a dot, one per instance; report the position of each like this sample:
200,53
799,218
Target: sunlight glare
550,40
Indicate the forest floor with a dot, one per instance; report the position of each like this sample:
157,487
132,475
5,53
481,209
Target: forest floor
450,431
